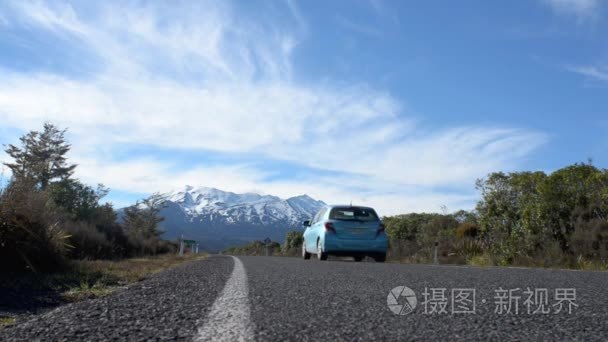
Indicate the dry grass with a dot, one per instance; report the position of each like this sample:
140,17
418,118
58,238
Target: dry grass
102,277
6,321
482,260
84,279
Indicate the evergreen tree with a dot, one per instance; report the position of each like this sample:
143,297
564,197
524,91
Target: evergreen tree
41,157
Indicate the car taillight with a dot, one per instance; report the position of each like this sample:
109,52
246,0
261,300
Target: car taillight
329,227
380,229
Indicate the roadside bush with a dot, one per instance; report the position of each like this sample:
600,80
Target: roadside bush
32,236
468,248
167,247
117,239
467,230
141,246
504,252
550,254
400,249
254,248
46,214
590,240
86,241
38,235
480,260
293,243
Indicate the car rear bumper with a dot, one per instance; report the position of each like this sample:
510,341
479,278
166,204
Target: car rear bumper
333,245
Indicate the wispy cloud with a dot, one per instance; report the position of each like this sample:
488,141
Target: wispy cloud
194,76
594,72
358,28
298,16
581,9
382,10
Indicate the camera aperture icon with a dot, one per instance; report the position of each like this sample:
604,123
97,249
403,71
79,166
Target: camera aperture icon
401,300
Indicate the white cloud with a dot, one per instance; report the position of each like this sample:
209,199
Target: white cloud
5,172
59,17
582,9
596,72
146,175
149,175
188,77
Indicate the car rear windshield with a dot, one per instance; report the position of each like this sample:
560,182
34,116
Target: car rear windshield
353,214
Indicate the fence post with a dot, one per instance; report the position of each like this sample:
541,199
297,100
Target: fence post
267,242
181,246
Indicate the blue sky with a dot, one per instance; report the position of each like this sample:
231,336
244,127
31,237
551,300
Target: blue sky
396,104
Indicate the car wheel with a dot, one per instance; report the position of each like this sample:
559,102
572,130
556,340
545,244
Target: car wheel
320,254
305,254
358,258
380,258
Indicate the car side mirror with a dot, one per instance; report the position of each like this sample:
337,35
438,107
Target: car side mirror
306,223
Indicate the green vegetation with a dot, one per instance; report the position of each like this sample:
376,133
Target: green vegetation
293,243
255,248
523,218
413,236
291,247
47,217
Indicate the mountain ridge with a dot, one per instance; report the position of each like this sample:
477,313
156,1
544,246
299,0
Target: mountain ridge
218,218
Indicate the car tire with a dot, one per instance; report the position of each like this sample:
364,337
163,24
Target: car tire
305,254
320,254
380,258
358,258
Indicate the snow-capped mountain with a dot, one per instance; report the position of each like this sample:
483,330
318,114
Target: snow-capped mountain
219,218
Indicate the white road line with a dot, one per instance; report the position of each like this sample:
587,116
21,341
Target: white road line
229,319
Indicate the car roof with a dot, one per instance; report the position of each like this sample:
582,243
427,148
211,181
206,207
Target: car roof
331,206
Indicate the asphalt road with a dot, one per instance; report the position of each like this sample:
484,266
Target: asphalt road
278,299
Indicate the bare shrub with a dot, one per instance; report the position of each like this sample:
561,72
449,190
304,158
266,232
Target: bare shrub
31,229
467,229
590,239
400,249
86,241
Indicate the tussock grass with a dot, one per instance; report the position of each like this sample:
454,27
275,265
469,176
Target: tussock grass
6,320
480,260
81,280
102,277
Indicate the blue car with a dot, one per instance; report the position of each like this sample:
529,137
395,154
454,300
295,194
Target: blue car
345,231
